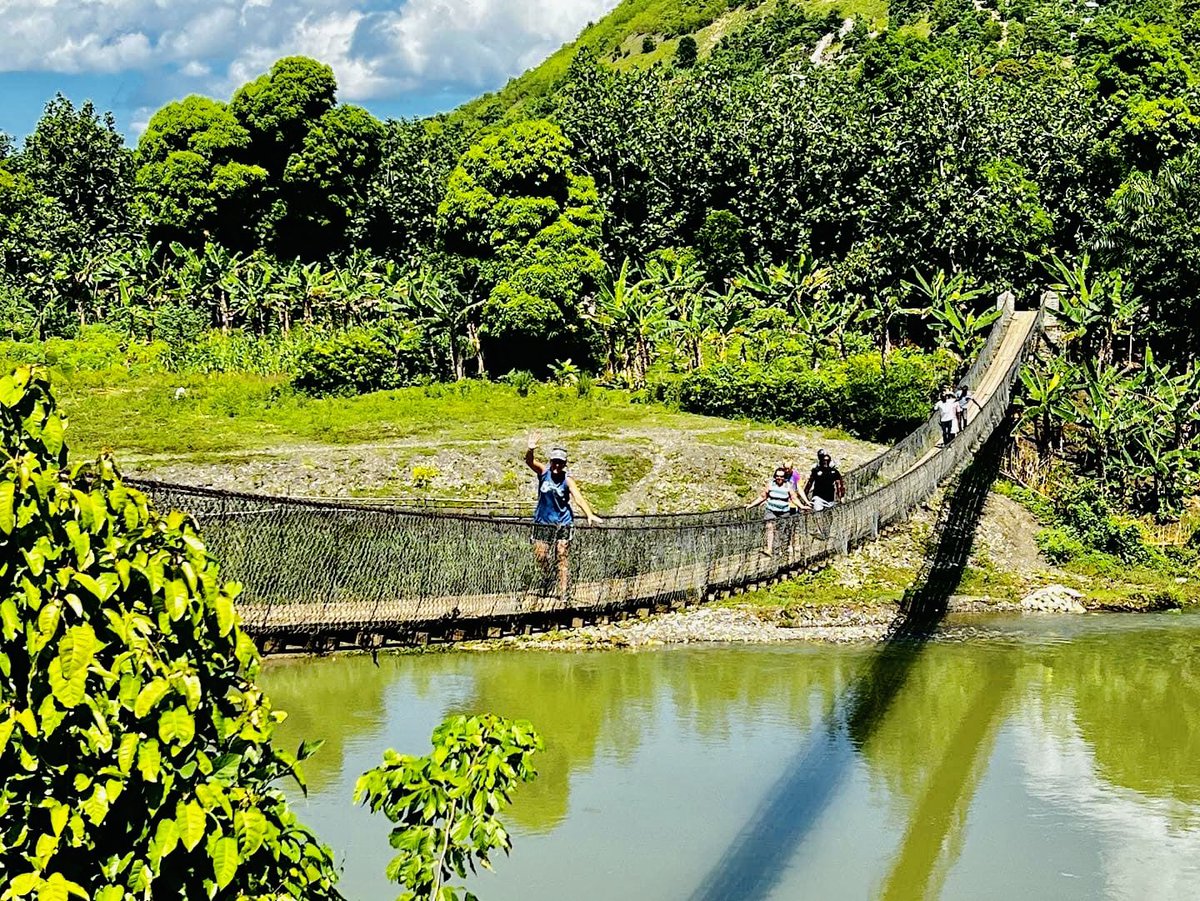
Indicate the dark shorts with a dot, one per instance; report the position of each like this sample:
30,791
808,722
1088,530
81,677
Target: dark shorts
770,515
548,533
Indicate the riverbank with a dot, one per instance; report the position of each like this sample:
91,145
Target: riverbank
724,624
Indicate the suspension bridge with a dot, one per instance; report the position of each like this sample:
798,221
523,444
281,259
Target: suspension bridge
326,573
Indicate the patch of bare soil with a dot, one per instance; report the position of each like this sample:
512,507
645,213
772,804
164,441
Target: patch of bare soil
1006,533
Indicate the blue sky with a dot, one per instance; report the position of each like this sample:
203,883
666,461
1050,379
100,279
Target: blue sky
397,58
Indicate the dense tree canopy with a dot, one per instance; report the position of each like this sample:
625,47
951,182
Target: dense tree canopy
529,225
614,208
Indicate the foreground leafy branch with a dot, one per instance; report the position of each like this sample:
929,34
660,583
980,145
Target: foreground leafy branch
446,805
135,748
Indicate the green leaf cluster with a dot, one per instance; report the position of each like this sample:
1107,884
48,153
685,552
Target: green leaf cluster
135,748
446,805
358,361
859,393
280,165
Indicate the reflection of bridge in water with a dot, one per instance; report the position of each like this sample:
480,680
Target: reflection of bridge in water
792,808
330,572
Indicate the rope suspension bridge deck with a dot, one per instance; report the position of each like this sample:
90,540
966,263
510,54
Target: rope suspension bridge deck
324,572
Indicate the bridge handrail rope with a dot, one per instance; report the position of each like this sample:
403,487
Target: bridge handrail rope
332,567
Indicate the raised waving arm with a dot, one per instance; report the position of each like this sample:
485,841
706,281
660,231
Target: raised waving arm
533,464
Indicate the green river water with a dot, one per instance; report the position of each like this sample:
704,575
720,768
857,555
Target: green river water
1049,757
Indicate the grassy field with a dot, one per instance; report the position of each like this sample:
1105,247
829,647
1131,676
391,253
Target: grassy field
231,412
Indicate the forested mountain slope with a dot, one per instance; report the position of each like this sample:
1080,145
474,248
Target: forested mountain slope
640,34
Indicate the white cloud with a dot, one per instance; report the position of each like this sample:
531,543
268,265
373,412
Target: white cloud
378,48
97,53
196,69
477,42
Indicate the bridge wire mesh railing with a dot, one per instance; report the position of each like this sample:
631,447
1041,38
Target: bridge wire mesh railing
326,567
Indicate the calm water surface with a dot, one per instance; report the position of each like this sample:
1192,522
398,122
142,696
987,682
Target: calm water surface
1052,758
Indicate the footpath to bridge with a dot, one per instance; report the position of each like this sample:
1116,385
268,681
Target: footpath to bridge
323,574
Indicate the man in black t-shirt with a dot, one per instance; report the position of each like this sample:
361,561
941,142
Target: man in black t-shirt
825,484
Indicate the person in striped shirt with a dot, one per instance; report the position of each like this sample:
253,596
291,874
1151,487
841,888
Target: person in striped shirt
781,500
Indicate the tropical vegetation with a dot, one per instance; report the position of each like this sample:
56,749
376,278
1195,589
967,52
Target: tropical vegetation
136,752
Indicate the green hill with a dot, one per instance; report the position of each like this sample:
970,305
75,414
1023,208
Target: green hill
646,33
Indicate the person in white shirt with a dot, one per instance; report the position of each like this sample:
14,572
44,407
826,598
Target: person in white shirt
947,410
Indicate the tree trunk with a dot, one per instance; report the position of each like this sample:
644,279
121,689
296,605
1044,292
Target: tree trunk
473,336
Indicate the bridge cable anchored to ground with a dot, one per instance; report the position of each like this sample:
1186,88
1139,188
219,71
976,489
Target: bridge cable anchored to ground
324,573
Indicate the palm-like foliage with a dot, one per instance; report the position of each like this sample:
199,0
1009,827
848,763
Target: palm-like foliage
952,303
792,303
1046,402
1094,309
632,317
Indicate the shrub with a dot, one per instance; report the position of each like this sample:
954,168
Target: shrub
423,475
686,52
238,351
446,804
1084,509
857,394
95,348
180,324
358,361
648,44
565,373
1059,545
135,749
522,380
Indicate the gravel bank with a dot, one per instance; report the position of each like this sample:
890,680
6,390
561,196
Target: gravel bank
738,625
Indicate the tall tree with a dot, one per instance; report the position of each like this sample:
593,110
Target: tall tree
78,158
279,108
530,226
192,178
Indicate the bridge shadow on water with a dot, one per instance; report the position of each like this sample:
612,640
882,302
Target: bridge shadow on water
753,864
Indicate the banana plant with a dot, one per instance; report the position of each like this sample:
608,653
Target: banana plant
1106,408
632,316
884,307
791,302
951,302
1094,309
691,318
608,313
1046,402
446,312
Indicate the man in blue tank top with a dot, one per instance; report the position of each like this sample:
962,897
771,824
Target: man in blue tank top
553,519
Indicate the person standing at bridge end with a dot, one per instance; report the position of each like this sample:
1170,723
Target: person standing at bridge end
553,518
